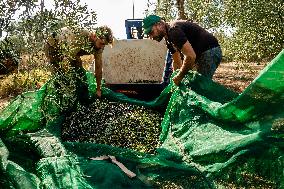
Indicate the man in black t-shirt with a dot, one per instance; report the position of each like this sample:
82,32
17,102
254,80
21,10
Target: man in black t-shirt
200,49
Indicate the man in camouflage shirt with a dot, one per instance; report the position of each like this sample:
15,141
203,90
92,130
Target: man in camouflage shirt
69,45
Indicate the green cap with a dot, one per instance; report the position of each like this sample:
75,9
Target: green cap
149,22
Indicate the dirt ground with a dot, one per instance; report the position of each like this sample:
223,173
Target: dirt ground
234,75
237,76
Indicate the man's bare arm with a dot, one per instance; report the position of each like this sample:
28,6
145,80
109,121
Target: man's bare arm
98,71
188,62
176,60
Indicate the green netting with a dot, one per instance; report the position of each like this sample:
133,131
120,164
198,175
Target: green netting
211,137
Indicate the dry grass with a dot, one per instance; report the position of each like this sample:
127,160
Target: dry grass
237,76
16,83
4,102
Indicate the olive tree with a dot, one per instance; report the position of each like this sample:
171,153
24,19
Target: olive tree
28,25
35,24
259,28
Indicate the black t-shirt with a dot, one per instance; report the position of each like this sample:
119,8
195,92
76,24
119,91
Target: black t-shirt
181,31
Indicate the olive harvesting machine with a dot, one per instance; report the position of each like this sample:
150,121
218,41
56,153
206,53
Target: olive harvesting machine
135,66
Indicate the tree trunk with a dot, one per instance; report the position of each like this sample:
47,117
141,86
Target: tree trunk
180,7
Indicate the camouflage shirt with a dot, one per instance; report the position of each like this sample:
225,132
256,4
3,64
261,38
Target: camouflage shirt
73,43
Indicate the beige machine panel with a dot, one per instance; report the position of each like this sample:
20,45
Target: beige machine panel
134,60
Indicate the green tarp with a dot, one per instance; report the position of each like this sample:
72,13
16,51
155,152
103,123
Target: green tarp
210,137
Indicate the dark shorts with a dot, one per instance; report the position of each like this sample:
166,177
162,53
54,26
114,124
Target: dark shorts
208,62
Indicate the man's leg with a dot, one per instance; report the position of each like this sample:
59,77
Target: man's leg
208,62
82,91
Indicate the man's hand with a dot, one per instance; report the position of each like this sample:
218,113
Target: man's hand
99,93
177,79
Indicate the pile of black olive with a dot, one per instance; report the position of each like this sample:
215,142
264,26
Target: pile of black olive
114,123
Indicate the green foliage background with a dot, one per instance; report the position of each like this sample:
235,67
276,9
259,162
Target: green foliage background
250,30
